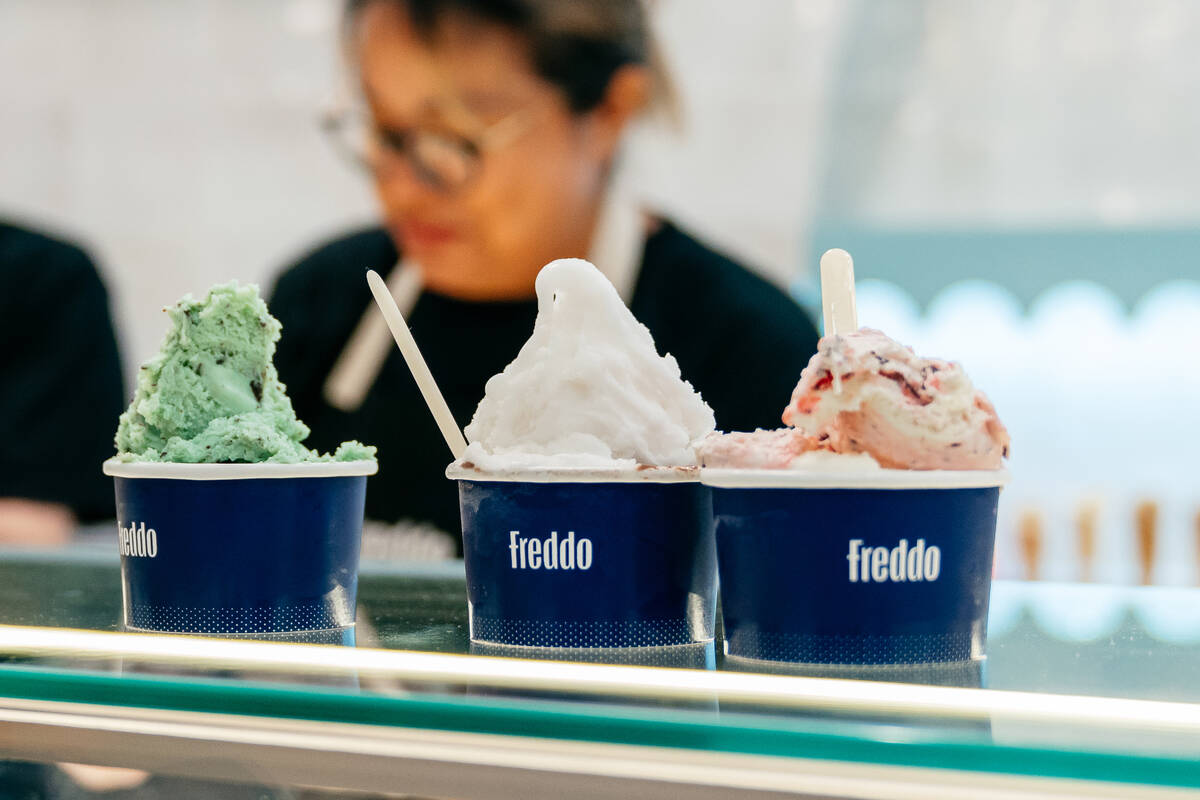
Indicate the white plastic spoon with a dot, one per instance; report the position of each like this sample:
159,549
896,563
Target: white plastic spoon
417,366
837,293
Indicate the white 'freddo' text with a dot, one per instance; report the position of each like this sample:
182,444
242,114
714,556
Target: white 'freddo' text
550,553
138,540
898,564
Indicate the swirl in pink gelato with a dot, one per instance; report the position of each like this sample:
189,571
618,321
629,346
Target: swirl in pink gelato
865,395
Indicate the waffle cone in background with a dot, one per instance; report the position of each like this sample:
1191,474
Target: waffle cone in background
1029,539
1146,522
1086,519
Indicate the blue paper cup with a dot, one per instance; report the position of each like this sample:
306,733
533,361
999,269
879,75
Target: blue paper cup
871,571
251,550
576,558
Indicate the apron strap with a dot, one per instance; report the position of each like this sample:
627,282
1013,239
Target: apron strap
358,366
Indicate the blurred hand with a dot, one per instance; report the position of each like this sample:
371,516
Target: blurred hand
104,779
32,523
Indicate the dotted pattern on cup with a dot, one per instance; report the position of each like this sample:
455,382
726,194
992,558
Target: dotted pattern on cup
574,633
804,648
331,636
689,656
176,619
335,636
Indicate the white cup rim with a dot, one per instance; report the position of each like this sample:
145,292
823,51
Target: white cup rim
229,472
725,478
457,471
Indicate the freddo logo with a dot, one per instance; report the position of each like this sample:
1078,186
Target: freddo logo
898,564
552,552
137,540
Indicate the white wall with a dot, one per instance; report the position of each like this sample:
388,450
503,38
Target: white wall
1025,112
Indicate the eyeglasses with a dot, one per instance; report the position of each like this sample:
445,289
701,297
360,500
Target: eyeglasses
442,159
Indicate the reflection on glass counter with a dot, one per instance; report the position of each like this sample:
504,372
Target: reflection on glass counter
1055,652
1114,641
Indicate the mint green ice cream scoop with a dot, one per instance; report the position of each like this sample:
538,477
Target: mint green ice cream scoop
211,394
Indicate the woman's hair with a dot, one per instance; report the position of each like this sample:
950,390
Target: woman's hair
577,45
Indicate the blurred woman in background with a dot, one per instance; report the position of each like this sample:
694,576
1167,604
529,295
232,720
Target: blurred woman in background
492,131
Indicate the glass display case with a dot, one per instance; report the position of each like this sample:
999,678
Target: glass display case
1087,690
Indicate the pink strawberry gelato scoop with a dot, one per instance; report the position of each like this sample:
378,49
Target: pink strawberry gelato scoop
864,394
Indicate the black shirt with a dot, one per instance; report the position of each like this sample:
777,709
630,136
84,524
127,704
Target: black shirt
740,341
62,375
